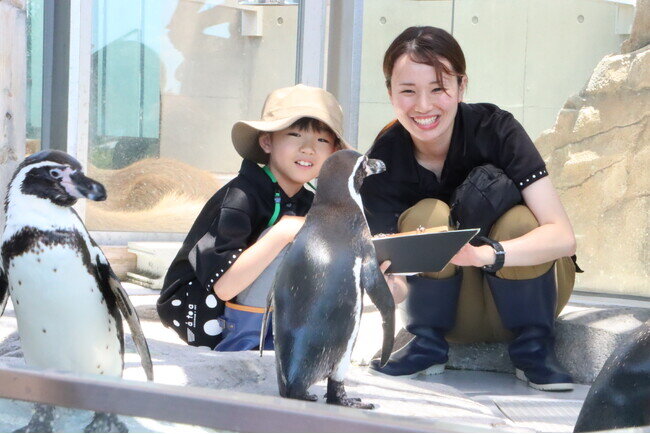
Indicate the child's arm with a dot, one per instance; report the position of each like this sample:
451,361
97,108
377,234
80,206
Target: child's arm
257,257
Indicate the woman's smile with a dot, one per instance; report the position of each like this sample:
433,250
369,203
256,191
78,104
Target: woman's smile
426,122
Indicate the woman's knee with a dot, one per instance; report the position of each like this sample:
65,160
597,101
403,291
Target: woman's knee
426,213
517,221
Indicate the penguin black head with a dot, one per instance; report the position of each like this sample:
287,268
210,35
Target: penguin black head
344,171
57,177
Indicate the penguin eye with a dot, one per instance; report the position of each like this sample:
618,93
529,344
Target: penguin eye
56,173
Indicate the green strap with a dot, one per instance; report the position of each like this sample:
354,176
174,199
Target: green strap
270,174
276,198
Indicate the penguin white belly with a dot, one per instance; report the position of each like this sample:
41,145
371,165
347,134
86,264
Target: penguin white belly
63,320
343,365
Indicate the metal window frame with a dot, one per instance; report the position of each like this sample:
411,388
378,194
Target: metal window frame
344,61
311,45
232,411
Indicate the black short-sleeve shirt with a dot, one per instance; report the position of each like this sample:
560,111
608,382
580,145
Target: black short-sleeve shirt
483,133
229,223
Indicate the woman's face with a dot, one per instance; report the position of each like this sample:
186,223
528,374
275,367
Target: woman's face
422,106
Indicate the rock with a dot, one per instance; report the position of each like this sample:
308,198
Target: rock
640,36
610,75
597,154
586,338
639,78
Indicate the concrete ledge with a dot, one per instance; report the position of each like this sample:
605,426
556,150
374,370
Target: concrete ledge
585,338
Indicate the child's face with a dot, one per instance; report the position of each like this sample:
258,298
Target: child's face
296,156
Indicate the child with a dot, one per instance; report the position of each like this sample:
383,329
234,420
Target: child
216,288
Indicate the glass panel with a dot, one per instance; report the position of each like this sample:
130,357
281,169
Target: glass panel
546,62
34,74
15,414
169,80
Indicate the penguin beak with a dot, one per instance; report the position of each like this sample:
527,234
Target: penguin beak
80,186
374,166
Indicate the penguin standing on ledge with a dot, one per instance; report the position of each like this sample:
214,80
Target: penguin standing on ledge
68,302
318,288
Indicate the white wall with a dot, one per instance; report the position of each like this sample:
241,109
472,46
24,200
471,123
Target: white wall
526,56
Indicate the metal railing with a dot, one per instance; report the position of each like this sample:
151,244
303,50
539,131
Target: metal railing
218,409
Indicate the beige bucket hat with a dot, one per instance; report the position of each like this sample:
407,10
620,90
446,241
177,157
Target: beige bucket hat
281,109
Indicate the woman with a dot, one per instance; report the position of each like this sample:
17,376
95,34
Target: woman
429,151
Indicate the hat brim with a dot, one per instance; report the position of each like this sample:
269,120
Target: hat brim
245,135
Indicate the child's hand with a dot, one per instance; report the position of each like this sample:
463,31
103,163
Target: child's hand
396,284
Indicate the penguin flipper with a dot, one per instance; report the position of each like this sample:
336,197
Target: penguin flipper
373,282
129,313
265,320
4,290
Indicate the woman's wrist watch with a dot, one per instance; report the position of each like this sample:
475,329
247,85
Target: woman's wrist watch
499,252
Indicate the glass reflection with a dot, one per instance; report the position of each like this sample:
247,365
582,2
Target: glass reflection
169,80
15,414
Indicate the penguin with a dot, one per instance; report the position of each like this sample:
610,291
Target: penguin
67,300
619,398
318,288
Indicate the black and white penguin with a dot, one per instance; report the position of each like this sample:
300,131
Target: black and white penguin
619,398
68,302
318,289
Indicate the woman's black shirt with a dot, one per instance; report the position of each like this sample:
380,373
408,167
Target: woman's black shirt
483,133
229,223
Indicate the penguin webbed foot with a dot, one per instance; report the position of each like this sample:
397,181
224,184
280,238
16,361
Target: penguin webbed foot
336,396
41,421
304,397
105,422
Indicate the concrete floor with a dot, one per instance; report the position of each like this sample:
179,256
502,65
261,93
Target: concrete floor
503,394
525,409
511,398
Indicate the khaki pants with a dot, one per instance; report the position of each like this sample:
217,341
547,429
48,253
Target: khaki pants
477,319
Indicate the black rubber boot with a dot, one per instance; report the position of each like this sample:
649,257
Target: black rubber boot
527,308
431,312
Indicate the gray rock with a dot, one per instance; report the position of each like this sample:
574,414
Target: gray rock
586,338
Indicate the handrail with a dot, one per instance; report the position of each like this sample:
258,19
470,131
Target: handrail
217,409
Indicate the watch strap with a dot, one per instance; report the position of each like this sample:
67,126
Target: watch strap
499,252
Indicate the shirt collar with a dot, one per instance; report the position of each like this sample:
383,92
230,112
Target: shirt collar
401,162
255,174
402,155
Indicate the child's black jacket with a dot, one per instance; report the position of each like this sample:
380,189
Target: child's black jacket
228,224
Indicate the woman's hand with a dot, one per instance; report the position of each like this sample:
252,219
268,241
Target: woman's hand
396,284
474,256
